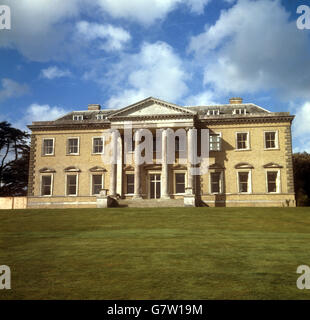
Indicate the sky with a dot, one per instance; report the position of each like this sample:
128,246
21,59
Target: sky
60,56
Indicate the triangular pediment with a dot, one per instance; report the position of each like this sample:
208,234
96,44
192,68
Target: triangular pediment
151,107
272,165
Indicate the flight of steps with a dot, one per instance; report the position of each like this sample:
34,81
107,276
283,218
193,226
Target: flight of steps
151,203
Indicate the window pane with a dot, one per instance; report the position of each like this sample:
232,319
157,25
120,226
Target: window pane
242,140
48,146
215,182
130,183
73,145
272,181
270,138
214,142
46,185
243,181
71,184
180,182
97,183
98,145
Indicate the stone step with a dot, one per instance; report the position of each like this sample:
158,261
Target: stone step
151,203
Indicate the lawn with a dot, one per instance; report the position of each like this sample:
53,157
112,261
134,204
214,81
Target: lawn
175,253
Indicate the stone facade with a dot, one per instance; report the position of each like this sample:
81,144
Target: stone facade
249,162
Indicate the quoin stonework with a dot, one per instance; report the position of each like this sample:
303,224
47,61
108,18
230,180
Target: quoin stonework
156,153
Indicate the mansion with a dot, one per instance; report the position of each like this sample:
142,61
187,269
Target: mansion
249,159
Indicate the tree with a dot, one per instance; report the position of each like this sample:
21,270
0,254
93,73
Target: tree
301,165
14,159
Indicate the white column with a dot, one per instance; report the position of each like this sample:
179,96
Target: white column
137,183
164,167
119,183
190,149
113,164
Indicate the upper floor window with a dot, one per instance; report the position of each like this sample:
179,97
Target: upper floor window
271,140
239,111
242,141
46,185
215,141
78,117
73,146
98,145
214,112
48,147
244,182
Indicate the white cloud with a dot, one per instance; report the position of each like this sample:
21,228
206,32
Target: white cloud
147,12
53,72
255,46
39,27
204,98
11,89
42,30
39,112
155,71
115,37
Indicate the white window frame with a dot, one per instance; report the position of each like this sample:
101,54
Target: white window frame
77,117
130,173
175,182
213,112
48,154
221,182
247,142
52,182
240,111
276,139
92,181
100,117
278,181
149,182
249,181
216,133
77,184
93,145
73,154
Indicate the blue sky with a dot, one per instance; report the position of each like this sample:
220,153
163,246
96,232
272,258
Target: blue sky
61,56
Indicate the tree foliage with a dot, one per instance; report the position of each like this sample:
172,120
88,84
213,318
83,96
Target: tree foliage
301,165
14,160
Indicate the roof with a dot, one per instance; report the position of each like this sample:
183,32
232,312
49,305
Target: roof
225,112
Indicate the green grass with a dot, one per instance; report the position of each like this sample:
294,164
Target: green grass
176,253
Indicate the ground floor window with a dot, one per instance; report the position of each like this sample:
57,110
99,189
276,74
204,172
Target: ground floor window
273,182
46,187
244,182
130,183
180,183
97,183
215,182
72,184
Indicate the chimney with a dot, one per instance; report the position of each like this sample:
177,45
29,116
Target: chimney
94,107
235,100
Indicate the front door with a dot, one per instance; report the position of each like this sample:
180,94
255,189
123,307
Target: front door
154,186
